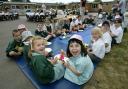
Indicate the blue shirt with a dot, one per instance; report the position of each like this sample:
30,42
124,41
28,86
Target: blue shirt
82,64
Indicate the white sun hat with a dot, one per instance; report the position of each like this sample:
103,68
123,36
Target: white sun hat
78,37
26,34
21,26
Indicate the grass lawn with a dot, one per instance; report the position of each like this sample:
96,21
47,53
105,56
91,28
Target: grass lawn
112,72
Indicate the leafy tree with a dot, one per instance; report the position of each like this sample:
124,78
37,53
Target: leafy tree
4,0
20,0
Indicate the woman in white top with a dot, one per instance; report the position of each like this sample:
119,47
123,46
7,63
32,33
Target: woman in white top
106,36
97,50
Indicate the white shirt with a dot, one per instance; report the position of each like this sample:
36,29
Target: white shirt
107,39
98,48
78,21
71,25
118,32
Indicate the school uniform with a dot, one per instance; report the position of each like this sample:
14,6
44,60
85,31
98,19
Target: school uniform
107,39
72,24
118,32
78,22
42,33
26,49
13,46
44,70
82,64
98,51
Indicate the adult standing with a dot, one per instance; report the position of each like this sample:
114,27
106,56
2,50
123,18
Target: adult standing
122,6
100,7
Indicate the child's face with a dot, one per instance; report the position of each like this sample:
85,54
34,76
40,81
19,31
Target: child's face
75,48
95,35
38,46
17,36
39,26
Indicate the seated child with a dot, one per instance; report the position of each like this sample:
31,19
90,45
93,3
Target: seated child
97,50
45,70
75,28
14,48
106,36
41,30
117,32
80,26
22,28
79,67
26,39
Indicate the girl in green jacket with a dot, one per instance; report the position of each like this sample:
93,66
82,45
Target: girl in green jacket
46,70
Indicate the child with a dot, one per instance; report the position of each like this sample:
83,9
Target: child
41,30
97,51
79,67
45,70
26,39
75,28
22,28
14,48
117,33
106,36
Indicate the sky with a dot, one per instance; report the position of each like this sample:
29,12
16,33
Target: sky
63,1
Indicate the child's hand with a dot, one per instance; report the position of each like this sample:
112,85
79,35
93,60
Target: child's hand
66,64
12,53
89,50
20,49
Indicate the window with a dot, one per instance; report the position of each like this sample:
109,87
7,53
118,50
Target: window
17,7
25,7
13,6
94,6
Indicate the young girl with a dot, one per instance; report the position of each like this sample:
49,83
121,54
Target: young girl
45,70
79,68
97,51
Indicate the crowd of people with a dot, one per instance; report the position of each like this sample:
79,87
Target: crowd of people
79,66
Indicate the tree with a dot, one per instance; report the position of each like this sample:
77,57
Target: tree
98,0
4,0
20,0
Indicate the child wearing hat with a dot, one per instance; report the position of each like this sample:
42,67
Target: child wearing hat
21,28
26,39
79,67
15,47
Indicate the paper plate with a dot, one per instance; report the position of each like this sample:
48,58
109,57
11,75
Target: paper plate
58,56
85,44
48,49
81,30
49,43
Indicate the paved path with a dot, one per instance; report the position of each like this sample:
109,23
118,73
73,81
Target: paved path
10,75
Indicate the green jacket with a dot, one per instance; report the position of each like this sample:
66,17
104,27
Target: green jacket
25,53
42,68
12,46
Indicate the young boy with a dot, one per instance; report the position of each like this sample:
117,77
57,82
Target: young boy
117,33
106,36
14,48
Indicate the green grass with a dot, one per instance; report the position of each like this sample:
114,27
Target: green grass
112,72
